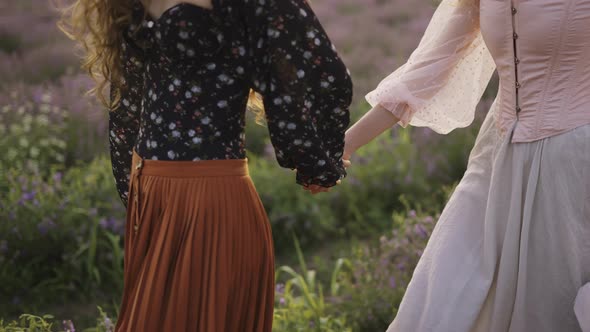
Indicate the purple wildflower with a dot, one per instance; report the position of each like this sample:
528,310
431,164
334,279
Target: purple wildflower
408,179
28,196
392,282
108,324
353,181
69,326
112,225
45,225
420,231
104,223
57,176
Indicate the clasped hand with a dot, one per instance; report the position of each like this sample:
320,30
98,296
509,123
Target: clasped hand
316,189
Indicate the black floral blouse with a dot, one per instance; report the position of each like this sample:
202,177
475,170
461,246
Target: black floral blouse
187,80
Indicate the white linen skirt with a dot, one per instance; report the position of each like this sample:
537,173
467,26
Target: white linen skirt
511,250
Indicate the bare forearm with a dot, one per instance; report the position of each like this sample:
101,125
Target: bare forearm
371,125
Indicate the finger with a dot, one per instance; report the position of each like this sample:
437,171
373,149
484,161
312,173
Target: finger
346,163
311,188
314,189
320,190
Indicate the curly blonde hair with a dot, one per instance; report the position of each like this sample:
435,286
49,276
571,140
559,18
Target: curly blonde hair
98,26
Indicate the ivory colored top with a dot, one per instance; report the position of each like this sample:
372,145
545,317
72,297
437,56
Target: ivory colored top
541,49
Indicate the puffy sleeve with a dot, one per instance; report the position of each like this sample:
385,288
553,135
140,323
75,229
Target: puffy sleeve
124,120
442,82
305,86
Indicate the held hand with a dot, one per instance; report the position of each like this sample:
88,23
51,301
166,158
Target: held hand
346,163
316,189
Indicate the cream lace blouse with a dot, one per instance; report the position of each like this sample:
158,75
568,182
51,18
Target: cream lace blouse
541,49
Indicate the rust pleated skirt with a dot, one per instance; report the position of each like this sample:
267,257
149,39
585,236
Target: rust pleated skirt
198,250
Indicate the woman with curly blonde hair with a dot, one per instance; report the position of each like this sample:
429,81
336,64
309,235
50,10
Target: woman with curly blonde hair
198,246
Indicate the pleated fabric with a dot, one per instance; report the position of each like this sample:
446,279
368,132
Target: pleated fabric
511,251
198,250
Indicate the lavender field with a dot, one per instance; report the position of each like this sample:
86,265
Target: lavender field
343,258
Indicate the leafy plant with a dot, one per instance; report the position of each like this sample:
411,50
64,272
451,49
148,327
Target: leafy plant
301,304
64,234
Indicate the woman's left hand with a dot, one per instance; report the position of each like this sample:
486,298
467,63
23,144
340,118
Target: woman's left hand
316,189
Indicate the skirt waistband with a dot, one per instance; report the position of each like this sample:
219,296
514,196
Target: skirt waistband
190,169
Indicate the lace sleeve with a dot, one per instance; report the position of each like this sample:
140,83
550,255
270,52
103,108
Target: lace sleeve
445,77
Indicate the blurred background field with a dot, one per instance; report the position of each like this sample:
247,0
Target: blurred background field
343,259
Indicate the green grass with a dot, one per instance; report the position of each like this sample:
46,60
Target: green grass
9,43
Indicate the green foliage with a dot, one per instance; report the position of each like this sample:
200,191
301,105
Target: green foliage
9,43
31,135
382,272
29,323
42,129
300,302
257,139
361,293
63,232
46,323
388,168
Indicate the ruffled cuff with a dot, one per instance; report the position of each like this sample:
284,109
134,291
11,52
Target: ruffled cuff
326,175
396,99
401,111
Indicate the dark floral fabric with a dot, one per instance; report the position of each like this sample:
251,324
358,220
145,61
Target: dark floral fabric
188,75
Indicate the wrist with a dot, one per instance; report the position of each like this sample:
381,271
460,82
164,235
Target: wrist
347,154
349,148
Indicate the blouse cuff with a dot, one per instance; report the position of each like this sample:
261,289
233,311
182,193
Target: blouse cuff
403,112
326,176
395,98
